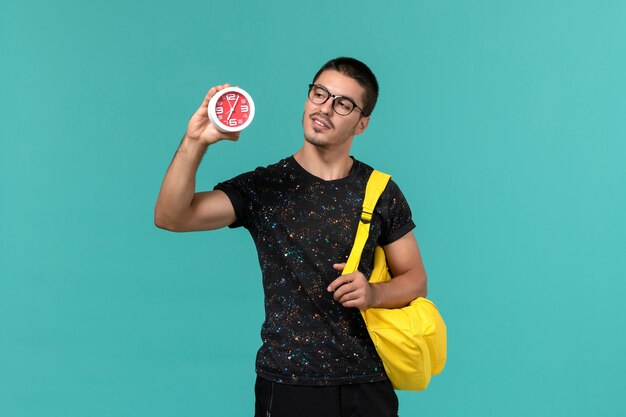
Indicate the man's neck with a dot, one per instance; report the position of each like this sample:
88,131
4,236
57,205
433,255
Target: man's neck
327,165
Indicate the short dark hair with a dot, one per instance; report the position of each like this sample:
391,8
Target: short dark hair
360,72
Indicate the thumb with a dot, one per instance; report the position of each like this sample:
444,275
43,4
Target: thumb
339,267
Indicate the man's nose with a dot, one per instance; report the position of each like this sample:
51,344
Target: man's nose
327,106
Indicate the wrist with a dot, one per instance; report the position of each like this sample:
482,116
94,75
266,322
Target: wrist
376,295
192,144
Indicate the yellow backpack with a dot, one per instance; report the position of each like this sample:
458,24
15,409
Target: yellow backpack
411,341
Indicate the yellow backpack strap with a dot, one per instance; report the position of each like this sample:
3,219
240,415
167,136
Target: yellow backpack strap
375,187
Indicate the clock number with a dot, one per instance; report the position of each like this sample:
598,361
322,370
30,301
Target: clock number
232,122
244,109
230,96
219,110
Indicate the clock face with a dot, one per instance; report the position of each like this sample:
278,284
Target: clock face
231,109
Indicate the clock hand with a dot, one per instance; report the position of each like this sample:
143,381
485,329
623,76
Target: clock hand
229,104
232,108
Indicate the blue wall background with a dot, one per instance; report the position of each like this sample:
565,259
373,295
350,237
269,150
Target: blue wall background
503,122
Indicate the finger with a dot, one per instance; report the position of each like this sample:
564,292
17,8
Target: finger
337,283
353,304
339,267
233,136
340,292
357,288
346,293
353,299
211,93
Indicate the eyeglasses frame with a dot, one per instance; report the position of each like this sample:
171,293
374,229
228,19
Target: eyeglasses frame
335,98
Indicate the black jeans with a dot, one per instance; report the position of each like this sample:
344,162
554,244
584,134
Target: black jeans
373,399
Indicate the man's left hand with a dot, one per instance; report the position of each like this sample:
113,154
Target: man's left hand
352,290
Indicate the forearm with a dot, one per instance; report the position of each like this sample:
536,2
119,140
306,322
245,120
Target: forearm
179,184
401,290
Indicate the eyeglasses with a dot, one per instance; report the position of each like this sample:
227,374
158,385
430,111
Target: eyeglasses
343,106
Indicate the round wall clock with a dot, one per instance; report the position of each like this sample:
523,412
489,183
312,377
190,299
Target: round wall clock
231,109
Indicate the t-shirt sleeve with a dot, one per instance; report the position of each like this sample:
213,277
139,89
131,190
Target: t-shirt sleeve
241,192
396,214
236,200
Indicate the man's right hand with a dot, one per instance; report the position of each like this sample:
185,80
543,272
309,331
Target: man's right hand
200,127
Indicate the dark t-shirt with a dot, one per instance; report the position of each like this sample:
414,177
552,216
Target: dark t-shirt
301,226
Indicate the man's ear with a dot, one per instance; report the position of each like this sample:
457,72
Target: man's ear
362,125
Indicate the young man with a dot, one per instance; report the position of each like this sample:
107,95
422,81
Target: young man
317,358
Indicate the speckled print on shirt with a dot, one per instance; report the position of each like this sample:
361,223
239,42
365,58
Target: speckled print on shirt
301,226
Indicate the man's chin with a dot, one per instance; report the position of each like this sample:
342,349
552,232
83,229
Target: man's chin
315,139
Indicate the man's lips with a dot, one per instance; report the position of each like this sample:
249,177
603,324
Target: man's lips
321,121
